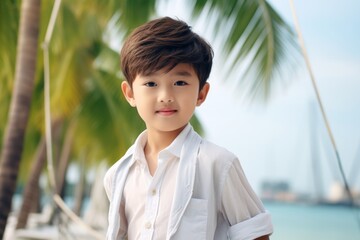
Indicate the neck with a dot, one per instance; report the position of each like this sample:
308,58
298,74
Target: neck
158,140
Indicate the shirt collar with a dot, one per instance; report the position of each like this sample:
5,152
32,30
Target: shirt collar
139,146
174,149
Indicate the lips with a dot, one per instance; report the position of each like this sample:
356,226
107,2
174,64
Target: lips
166,111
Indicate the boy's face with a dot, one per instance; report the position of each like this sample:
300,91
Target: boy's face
166,100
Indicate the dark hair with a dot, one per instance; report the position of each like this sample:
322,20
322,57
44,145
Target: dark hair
164,43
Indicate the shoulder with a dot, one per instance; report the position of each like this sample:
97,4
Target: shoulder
213,150
111,172
120,162
215,154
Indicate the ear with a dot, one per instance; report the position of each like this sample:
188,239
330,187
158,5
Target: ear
202,94
128,93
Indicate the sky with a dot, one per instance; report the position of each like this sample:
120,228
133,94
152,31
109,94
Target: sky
273,140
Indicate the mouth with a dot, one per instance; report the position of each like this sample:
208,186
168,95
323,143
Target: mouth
166,112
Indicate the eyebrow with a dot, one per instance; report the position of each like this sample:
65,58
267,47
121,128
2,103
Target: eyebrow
182,73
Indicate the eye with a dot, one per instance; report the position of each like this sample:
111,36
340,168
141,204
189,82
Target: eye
180,83
150,84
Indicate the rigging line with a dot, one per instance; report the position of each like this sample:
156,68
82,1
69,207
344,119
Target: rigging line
57,199
308,65
75,218
48,135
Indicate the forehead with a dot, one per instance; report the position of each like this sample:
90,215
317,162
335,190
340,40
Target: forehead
181,69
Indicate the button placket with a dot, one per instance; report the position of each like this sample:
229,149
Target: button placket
148,225
153,192
152,202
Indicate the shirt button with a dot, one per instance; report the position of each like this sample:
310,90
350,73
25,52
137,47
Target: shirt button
148,225
153,192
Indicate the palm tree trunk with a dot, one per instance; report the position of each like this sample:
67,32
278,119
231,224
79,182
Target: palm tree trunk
32,190
63,162
80,187
29,195
20,105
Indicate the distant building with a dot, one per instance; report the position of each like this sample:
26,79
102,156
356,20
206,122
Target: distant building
277,191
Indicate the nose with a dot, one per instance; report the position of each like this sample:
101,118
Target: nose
166,96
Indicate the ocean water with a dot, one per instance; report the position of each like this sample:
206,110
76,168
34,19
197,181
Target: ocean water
296,221
293,221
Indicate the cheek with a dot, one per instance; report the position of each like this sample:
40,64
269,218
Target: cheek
143,111
143,105
190,101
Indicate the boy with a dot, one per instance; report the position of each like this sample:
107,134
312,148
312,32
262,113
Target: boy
172,184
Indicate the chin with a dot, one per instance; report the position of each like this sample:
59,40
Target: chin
171,128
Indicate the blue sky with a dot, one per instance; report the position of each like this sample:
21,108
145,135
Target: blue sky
273,140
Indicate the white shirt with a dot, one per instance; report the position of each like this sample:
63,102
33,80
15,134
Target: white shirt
212,198
147,199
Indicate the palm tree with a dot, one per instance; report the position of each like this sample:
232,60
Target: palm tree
20,105
84,77
9,14
81,88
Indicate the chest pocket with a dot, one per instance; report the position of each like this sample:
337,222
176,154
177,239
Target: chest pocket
193,224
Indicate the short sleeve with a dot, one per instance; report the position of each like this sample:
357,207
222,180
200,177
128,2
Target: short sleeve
242,208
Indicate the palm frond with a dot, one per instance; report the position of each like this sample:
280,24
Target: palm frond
257,44
135,12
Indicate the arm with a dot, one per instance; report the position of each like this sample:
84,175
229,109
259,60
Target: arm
243,209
